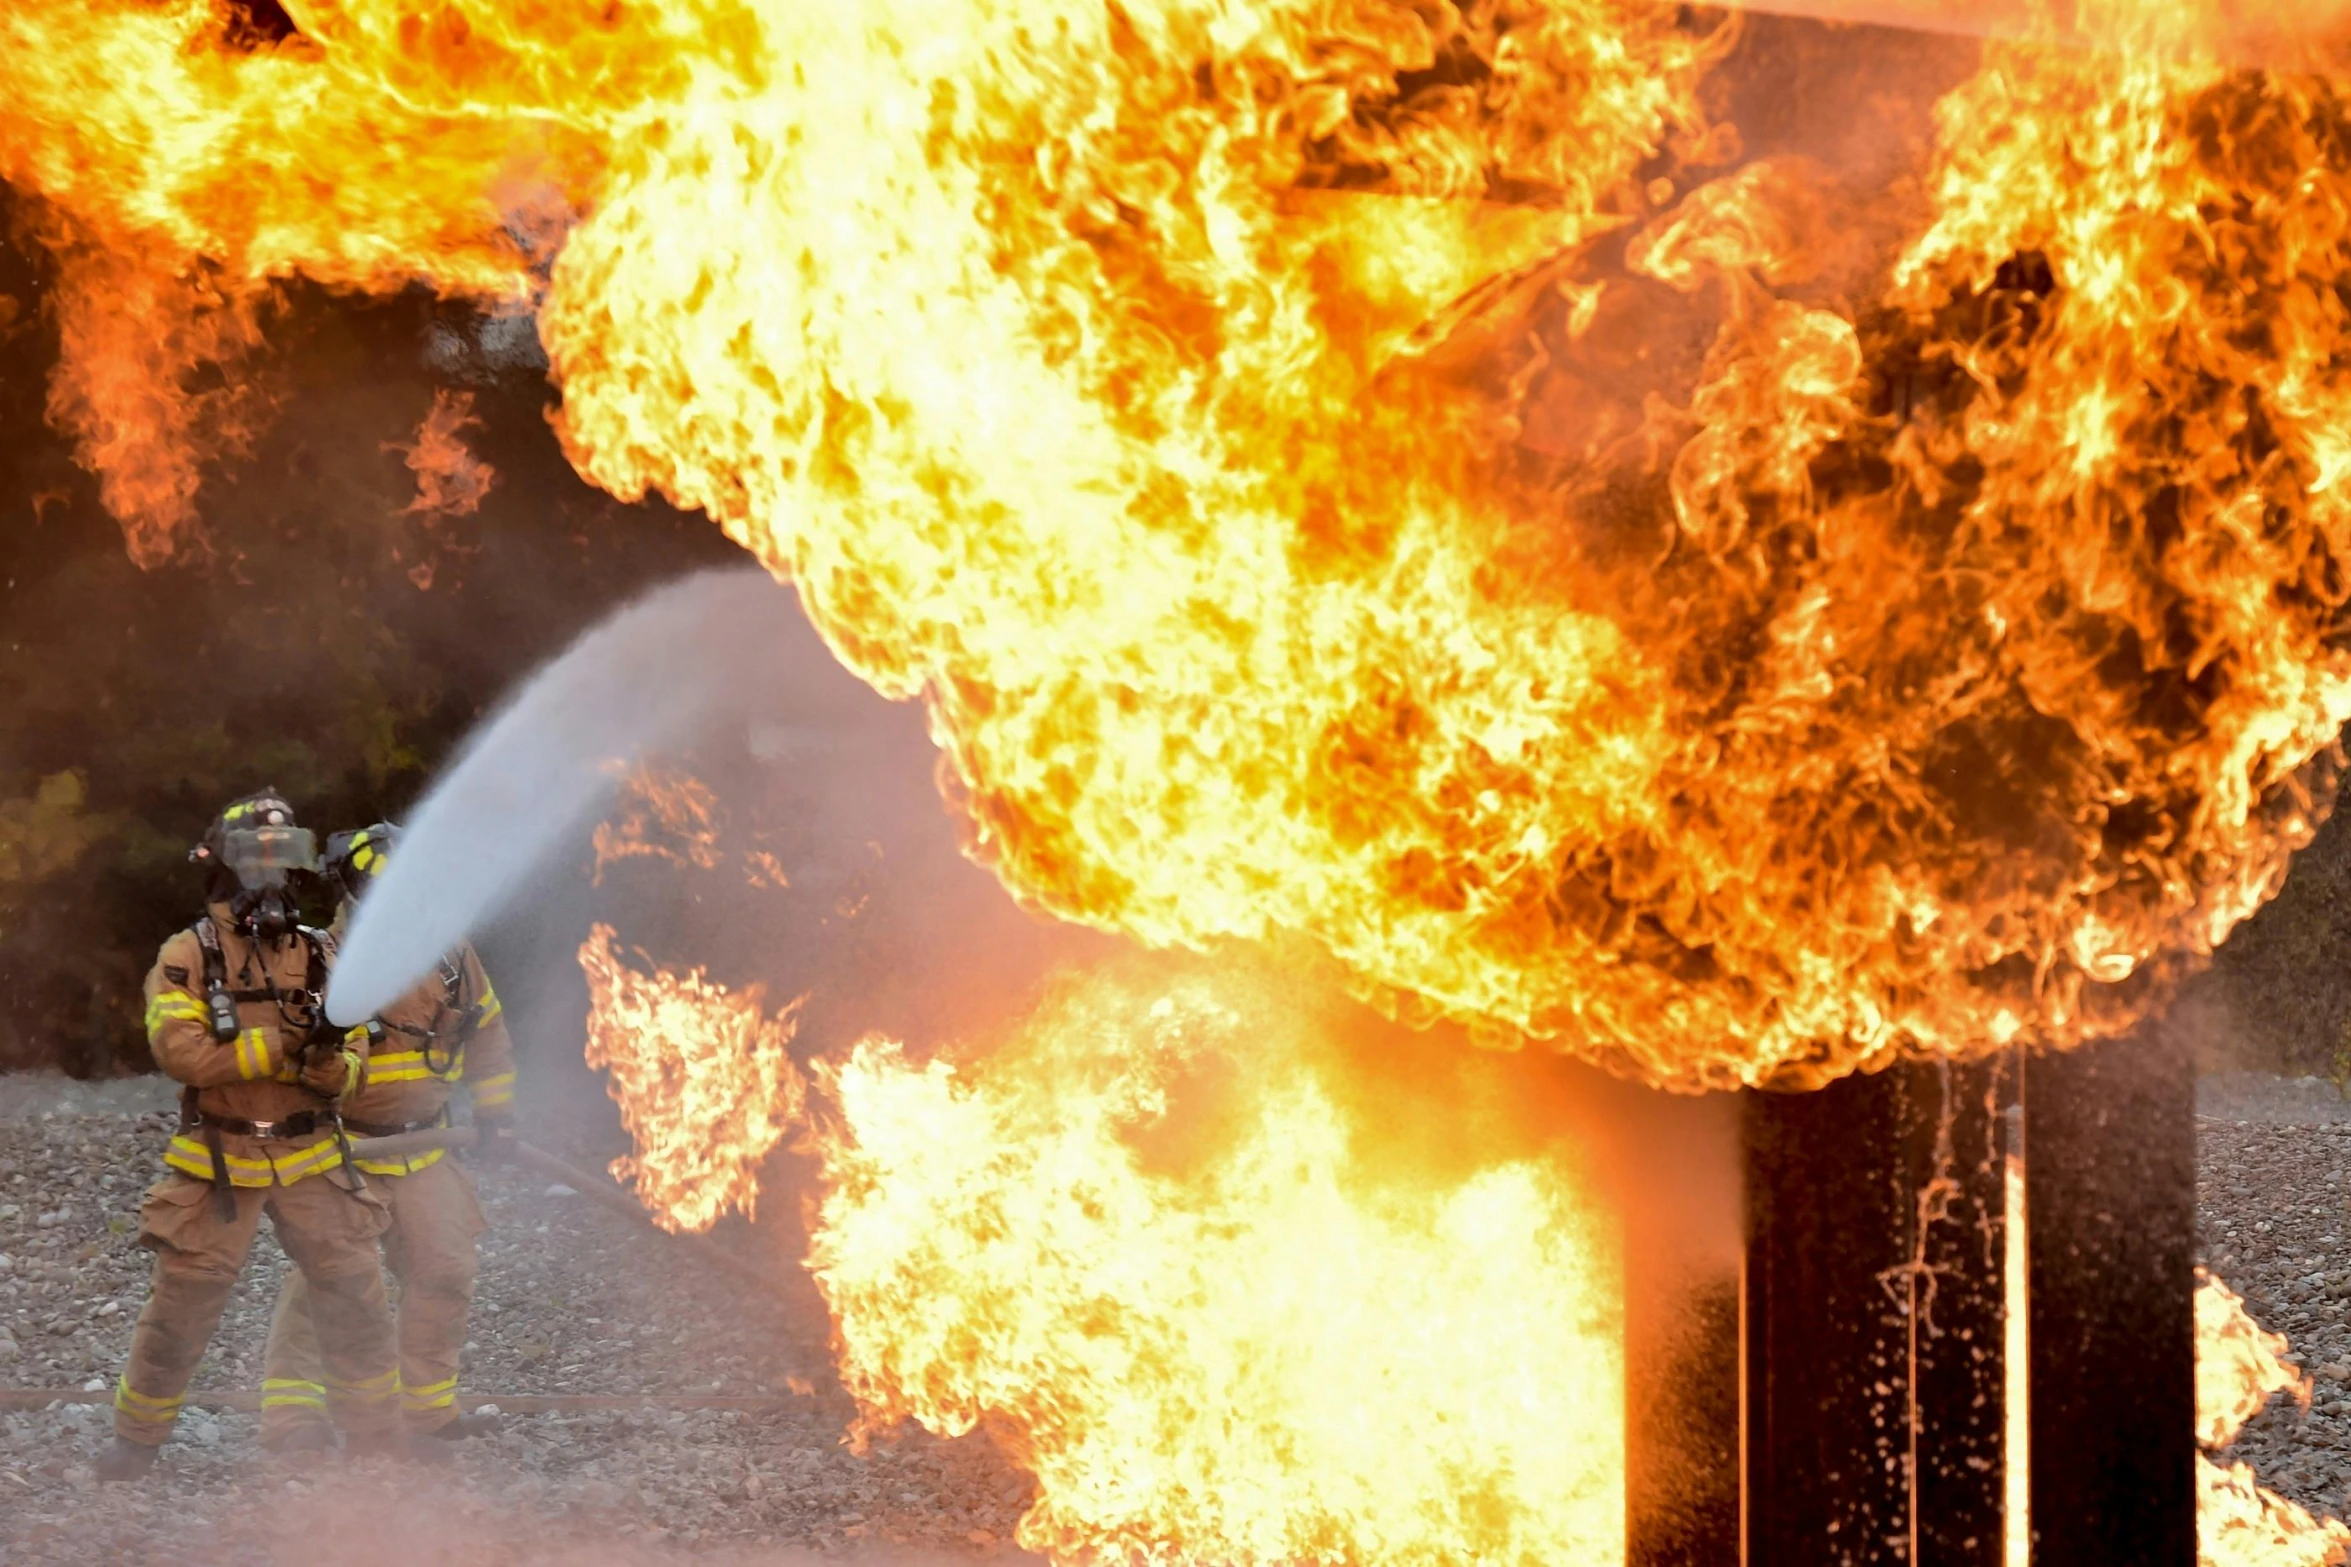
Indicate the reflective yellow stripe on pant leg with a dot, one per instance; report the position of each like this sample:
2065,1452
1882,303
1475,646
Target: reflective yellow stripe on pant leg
375,1390
283,1392
435,1395
134,1405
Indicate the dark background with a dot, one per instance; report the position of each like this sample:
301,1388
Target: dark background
296,650
324,639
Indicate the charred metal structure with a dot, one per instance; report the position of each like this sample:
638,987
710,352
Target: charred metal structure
1925,1247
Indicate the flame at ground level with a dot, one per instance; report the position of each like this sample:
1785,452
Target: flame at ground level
2238,1522
1230,1289
1149,1244
2238,1364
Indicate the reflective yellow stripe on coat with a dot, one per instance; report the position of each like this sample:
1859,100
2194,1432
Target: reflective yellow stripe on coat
408,1066
189,1156
406,1166
174,1006
252,1046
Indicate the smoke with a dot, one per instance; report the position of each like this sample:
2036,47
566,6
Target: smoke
384,1523
532,780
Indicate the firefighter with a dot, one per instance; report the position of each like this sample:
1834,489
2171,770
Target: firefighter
448,1031
234,1013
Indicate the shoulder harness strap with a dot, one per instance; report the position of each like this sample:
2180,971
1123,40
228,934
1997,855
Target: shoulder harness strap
468,1017
322,947
216,963
216,967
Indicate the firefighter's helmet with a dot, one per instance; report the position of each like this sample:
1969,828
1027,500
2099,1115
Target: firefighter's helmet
354,859
250,854
256,841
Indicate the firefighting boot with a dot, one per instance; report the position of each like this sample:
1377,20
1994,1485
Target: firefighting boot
125,1460
308,1437
465,1426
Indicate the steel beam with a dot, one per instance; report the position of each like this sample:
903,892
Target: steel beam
2110,1194
1873,1304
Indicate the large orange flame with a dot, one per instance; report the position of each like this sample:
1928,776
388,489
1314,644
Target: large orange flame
1154,1245
1166,1243
1231,418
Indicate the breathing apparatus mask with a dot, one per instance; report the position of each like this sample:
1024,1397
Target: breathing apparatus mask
252,852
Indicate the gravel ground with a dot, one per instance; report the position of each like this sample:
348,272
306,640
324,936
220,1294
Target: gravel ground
575,1299
572,1299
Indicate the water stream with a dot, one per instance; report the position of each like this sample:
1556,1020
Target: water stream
535,777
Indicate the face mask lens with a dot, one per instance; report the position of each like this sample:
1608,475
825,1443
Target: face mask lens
262,856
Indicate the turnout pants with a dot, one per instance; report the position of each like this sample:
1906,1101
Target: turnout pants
331,1235
430,1246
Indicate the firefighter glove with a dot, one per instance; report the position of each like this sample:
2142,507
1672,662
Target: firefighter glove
331,1074
493,1139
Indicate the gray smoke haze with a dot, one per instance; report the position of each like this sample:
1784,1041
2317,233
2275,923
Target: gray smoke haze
533,780
378,1520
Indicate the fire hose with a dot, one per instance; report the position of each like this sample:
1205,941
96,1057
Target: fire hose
586,1182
